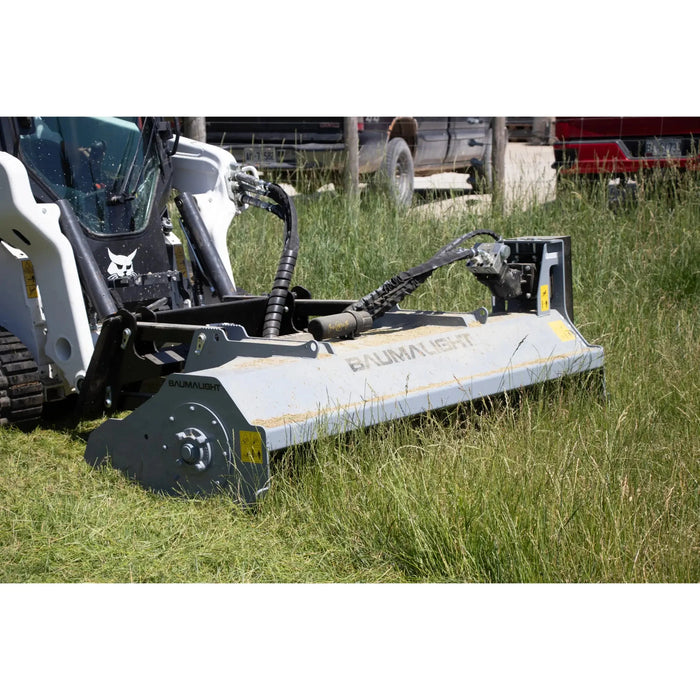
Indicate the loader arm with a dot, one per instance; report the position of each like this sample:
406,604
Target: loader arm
205,172
34,229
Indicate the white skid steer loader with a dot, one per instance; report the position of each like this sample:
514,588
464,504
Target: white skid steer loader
103,302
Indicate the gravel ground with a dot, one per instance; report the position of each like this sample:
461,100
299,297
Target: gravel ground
530,179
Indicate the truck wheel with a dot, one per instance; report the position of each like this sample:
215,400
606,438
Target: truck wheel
21,392
397,171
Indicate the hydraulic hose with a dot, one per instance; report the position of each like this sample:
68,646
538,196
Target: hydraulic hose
283,208
358,317
287,263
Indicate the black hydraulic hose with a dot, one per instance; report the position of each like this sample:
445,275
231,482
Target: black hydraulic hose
285,269
176,143
205,250
379,301
95,285
283,208
358,317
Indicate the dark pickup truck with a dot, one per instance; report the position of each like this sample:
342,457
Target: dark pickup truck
393,147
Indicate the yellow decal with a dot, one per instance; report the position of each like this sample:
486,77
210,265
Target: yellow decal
251,446
180,259
562,330
544,297
29,279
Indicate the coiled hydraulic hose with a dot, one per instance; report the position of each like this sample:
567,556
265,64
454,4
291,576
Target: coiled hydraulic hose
283,208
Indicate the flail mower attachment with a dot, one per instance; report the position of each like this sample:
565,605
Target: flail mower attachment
239,397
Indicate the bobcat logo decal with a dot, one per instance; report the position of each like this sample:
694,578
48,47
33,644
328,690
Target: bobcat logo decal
121,265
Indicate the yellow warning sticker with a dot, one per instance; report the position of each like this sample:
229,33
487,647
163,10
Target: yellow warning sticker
29,279
562,330
251,446
180,258
544,297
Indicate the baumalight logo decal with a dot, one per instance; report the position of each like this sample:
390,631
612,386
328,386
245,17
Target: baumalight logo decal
193,384
406,353
121,266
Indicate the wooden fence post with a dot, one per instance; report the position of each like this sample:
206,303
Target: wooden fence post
498,161
351,179
195,128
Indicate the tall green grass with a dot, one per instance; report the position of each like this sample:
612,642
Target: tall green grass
551,484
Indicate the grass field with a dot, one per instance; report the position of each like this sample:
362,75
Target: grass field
549,485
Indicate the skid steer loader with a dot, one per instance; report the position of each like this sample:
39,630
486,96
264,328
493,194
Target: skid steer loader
101,301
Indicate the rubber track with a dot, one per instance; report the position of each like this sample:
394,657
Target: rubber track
21,391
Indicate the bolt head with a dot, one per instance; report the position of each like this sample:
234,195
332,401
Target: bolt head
188,452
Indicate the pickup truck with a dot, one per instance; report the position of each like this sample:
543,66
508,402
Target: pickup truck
395,148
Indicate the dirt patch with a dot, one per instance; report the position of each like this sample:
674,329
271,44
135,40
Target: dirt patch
530,179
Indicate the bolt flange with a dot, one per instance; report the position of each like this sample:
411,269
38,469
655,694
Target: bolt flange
195,449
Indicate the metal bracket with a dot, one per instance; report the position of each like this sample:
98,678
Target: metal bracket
213,346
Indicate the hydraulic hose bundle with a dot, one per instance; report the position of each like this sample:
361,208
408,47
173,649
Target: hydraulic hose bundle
283,208
358,317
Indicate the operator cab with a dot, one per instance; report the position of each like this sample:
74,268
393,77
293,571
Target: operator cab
111,176
107,168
